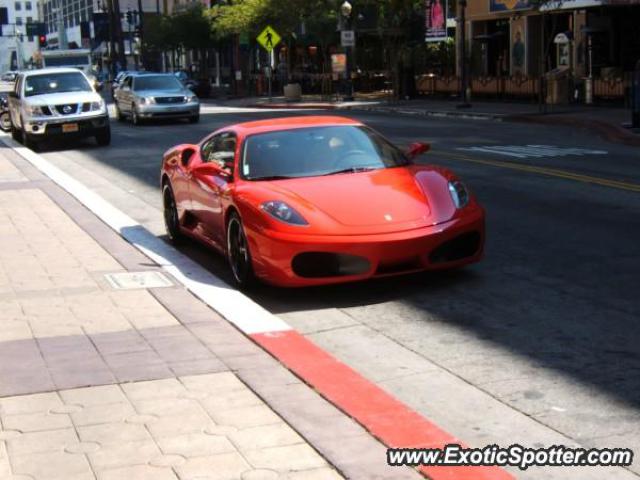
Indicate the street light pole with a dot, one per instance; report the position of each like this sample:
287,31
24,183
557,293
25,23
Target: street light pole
345,10
464,72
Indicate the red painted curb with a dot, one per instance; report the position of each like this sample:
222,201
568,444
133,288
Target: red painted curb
388,419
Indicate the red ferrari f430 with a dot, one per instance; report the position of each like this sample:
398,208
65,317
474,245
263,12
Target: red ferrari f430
315,200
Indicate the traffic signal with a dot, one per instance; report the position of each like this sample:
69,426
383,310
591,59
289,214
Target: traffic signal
129,17
42,41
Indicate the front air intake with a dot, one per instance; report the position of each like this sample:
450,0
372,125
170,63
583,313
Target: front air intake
326,264
458,248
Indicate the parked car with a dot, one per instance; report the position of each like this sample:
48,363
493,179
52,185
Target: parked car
155,95
9,76
118,79
316,200
202,87
54,102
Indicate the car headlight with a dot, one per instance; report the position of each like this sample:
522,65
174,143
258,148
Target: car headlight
283,212
146,100
99,105
35,110
459,193
190,99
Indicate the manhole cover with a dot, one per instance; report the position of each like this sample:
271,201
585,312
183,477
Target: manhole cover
131,280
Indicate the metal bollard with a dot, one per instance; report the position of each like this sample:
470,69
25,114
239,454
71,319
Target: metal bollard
588,90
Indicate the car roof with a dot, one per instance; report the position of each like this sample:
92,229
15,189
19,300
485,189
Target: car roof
289,123
44,71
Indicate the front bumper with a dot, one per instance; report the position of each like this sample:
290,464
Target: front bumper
169,110
47,126
275,254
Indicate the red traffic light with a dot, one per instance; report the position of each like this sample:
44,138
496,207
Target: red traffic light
42,40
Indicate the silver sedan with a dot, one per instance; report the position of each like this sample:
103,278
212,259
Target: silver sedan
155,95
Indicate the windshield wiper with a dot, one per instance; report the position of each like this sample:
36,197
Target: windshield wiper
352,170
272,177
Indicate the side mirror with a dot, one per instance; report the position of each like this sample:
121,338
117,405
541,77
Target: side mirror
99,86
418,148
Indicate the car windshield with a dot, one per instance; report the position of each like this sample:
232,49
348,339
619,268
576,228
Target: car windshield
157,82
56,83
308,152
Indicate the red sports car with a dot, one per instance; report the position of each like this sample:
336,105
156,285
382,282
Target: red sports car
315,200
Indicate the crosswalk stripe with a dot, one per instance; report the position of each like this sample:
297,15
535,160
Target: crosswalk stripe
532,151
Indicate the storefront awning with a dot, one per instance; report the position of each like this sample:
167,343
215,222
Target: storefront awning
571,4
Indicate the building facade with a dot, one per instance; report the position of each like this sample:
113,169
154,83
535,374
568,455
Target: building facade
16,47
511,41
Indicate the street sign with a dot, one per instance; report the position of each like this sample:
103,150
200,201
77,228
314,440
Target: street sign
269,38
348,38
35,29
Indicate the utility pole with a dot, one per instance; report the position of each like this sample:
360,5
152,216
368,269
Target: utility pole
464,72
117,16
140,32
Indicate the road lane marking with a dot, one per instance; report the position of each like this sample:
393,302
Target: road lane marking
551,172
536,151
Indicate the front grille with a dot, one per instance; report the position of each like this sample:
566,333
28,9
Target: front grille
462,246
326,264
169,99
86,107
46,110
67,109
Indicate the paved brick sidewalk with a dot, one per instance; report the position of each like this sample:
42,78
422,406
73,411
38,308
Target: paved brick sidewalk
144,383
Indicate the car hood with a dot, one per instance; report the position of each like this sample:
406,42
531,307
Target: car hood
163,93
390,199
63,98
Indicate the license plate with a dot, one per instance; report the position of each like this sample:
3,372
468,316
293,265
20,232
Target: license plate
69,127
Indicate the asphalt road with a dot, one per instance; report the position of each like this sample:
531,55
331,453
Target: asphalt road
537,344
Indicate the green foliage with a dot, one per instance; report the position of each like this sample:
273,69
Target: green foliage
190,29
251,16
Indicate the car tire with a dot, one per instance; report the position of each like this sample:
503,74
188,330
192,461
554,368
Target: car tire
119,116
5,122
135,118
15,133
28,141
103,138
170,214
238,254
194,119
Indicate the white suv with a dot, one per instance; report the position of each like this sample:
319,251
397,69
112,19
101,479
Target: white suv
54,102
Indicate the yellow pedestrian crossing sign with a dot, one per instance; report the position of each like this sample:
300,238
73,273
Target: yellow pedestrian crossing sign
269,38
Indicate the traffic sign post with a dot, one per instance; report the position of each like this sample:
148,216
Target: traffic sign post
268,39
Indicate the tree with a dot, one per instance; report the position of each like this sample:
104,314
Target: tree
189,29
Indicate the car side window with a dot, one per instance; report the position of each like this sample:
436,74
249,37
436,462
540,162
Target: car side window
220,148
127,82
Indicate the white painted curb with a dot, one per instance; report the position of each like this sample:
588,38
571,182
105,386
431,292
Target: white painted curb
237,308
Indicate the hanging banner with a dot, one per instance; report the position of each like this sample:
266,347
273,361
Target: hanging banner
508,5
435,20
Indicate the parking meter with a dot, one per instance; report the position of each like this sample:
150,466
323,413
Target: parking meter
635,97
